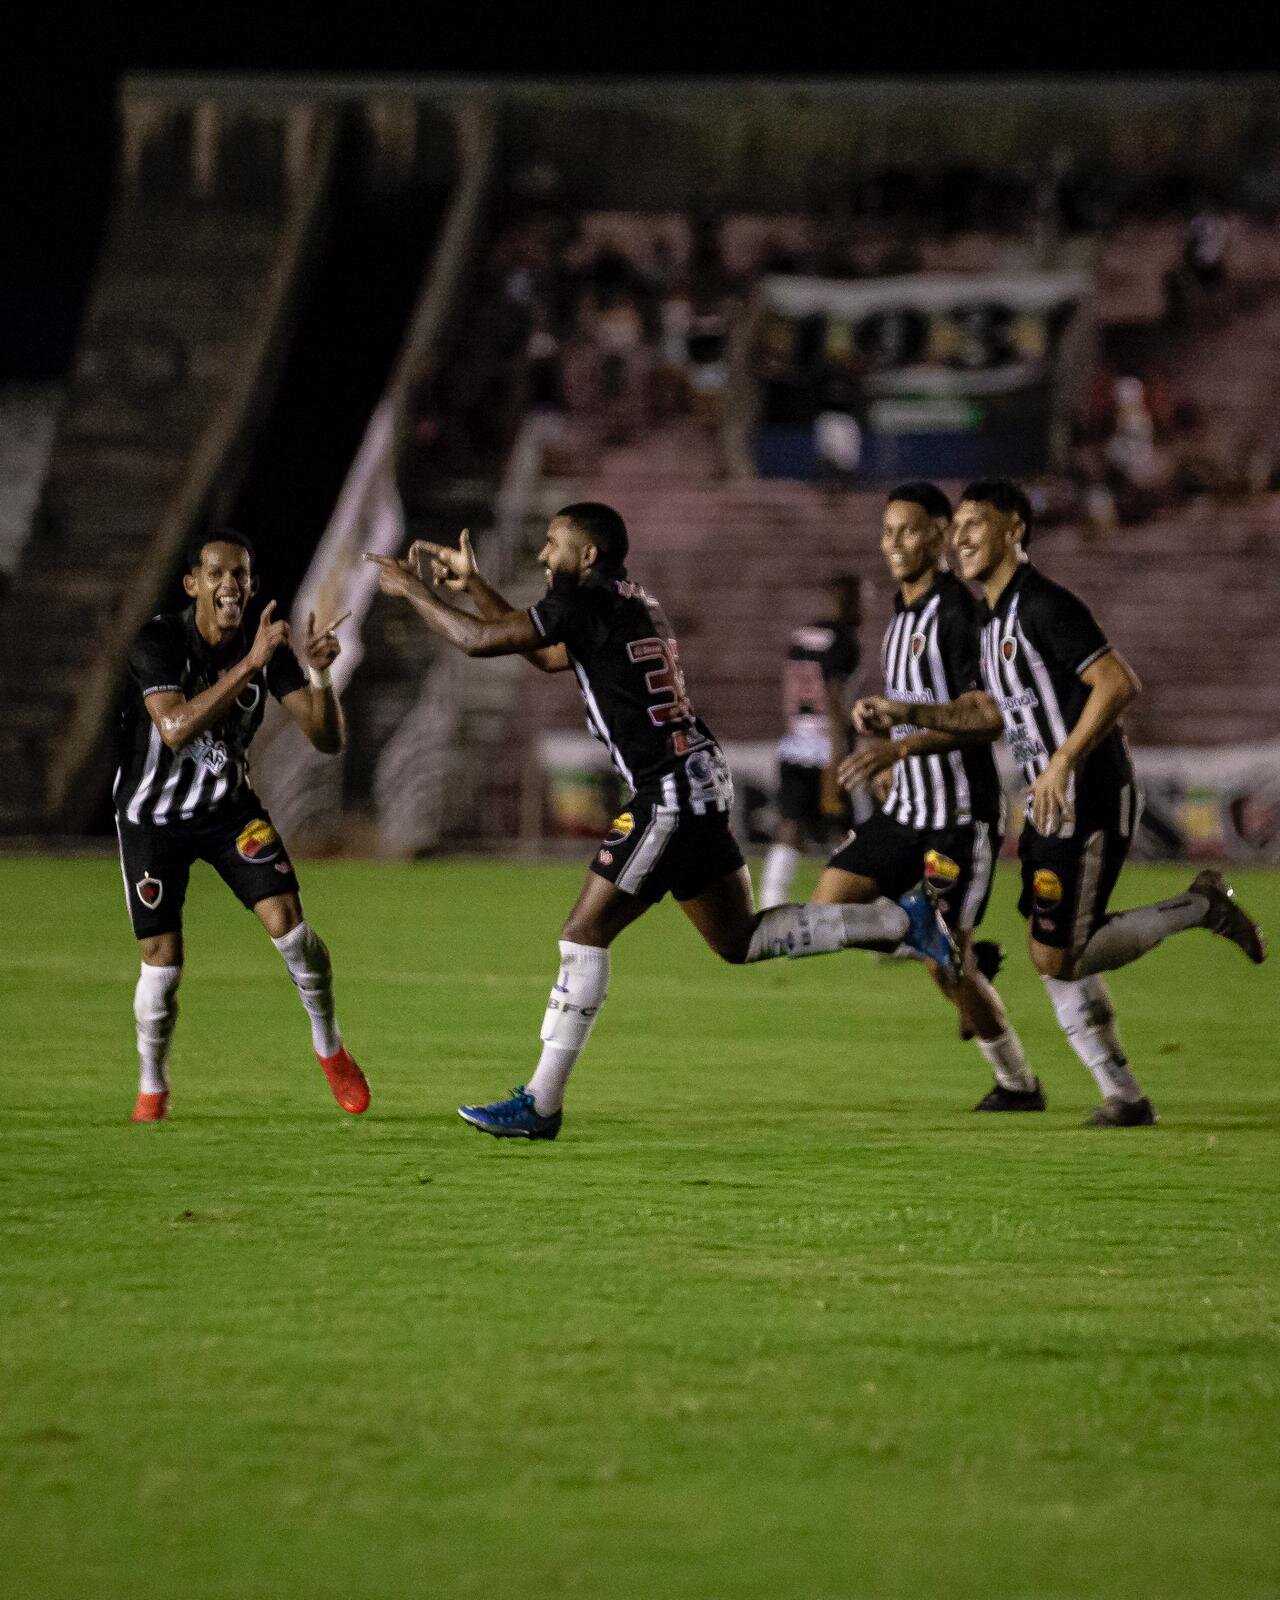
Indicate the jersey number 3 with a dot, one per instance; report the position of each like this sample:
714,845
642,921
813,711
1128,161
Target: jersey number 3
665,683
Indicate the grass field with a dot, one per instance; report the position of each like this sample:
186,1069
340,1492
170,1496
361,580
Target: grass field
776,1317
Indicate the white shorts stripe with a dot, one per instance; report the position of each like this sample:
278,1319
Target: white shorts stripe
648,852
980,879
1087,890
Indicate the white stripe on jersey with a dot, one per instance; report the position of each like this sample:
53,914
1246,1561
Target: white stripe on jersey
1034,724
143,791
598,722
928,791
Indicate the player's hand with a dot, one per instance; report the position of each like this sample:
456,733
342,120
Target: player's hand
320,647
451,568
270,636
873,714
396,577
1051,807
866,764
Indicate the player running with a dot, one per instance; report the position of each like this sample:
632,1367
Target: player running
1055,685
943,818
821,659
196,696
674,833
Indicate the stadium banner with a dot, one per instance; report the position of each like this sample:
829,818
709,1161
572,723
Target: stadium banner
1201,804
944,375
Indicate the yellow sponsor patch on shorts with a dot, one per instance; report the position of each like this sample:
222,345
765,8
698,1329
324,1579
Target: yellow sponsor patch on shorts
258,841
940,867
621,826
1047,887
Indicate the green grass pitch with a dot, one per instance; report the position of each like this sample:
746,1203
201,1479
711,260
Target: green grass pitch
776,1317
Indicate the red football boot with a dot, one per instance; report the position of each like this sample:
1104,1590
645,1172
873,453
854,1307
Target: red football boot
151,1107
350,1086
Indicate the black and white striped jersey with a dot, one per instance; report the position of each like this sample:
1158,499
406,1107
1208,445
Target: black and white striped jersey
818,655
157,785
930,656
1035,644
627,664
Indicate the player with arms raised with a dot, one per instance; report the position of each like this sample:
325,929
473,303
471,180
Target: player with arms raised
1058,689
674,834
197,691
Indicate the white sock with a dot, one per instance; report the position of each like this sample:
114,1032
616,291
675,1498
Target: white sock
307,958
1087,1017
1124,937
1007,1061
575,1003
818,930
155,1011
780,864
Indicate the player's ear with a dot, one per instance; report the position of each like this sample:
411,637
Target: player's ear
189,584
590,556
253,584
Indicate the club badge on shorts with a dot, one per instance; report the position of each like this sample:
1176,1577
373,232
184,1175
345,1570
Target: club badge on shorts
149,890
258,841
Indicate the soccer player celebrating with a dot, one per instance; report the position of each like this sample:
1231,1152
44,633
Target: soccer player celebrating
197,692
1055,685
821,658
674,833
943,818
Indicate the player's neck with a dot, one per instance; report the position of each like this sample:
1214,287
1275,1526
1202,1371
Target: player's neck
995,584
212,633
915,588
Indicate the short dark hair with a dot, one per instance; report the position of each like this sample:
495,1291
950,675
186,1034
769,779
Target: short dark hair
926,495
603,526
1005,495
196,545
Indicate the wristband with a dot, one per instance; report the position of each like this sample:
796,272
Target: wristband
321,677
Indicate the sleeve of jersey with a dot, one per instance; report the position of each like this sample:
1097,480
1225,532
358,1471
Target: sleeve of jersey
565,619
284,674
1064,629
959,633
156,660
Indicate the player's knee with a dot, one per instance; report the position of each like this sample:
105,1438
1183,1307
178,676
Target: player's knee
731,948
280,915
161,950
1050,962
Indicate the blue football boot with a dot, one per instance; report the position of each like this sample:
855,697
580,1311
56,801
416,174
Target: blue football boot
927,933
513,1119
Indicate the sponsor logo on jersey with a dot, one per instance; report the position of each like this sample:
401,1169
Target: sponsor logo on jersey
149,890
917,645
1018,702
258,841
1008,648
940,870
1046,886
620,828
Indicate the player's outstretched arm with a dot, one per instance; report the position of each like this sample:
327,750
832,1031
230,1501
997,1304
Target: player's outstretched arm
316,708
972,717
512,634
179,720
883,754
1113,684
455,568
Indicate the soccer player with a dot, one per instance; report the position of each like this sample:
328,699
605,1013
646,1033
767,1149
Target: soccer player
1057,688
674,833
197,691
943,818
821,658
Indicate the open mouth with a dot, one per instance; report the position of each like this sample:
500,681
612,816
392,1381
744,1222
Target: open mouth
228,608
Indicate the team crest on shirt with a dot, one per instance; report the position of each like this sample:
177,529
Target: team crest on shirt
917,646
620,828
258,841
1046,886
149,890
1008,648
940,871
247,699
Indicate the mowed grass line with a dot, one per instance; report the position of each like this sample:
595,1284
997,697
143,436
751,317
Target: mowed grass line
775,1317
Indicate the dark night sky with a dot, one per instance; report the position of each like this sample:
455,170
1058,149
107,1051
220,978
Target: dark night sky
56,111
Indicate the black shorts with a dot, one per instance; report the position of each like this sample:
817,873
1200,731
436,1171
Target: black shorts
800,798
1066,883
242,847
654,848
958,863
